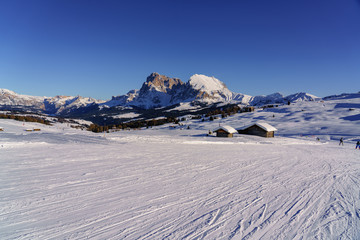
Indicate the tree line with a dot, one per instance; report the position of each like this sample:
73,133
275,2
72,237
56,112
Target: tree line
25,118
132,125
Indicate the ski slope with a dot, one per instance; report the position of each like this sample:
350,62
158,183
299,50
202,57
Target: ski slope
165,183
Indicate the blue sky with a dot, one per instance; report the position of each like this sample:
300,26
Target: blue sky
104,48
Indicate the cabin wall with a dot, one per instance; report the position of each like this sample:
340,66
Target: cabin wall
270,134
255,130
221,133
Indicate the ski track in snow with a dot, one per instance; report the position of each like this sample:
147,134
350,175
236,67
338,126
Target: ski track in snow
133,185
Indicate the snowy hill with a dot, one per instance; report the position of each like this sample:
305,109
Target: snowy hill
171,182
343,96
327,119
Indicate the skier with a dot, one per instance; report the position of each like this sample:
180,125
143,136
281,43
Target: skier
357,145
341,142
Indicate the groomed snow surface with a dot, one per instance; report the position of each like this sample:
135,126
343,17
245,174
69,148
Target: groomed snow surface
165,183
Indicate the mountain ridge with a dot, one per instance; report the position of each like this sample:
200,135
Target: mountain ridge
162,91
158,91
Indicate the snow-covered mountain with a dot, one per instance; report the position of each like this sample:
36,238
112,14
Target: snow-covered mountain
66,104
122,99
162,91
299,97
268,99
209,88
10,98
52,105
158,91
278,98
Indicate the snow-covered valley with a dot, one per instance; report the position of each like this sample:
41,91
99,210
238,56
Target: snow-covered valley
179,183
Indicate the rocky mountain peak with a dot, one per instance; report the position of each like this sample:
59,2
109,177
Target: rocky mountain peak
160,83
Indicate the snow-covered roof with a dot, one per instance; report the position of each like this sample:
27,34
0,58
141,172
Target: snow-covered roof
267,127
226,129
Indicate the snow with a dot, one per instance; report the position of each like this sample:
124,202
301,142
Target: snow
4,91
205,83
185,106
158,118
212,86
302,97
8,97
127,115
269,99
162,183
242,98
263,125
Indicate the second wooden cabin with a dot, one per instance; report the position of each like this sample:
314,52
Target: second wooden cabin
258,129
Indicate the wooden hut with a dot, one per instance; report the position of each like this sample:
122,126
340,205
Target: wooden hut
258,129
224,131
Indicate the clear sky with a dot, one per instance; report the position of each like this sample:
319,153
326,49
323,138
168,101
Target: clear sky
105,48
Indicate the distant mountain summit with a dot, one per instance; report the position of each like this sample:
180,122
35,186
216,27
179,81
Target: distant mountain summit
162,91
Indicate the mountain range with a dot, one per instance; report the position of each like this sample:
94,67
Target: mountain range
157,92
163,91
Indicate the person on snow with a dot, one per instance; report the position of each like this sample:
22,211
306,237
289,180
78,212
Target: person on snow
341,142
357,145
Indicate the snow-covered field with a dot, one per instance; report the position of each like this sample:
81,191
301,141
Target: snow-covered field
165,183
